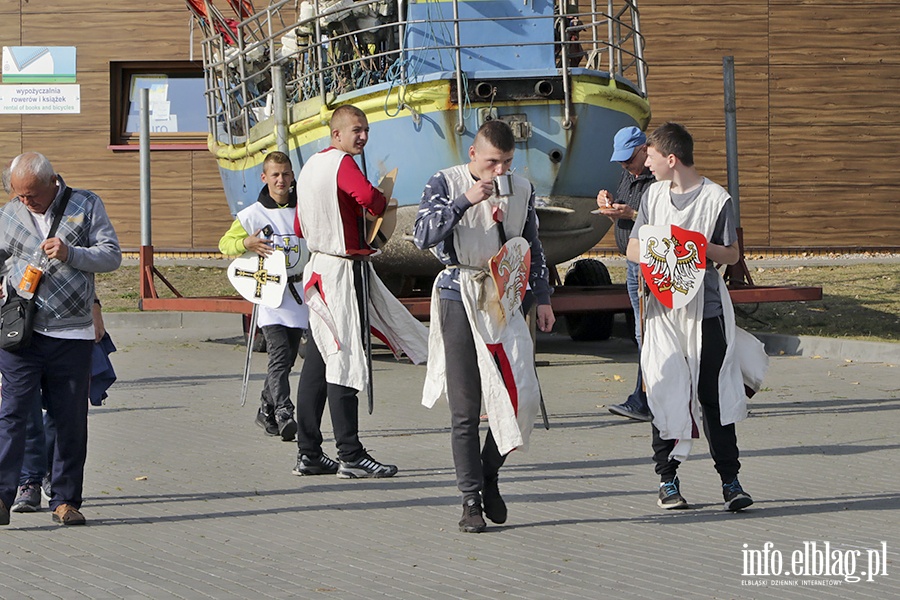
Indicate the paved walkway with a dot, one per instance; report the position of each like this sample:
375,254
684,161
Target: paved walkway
186,498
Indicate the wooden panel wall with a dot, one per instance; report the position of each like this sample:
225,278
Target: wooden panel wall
10,125
818,88
835,72
78,144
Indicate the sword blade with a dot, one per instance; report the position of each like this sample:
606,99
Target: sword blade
543,408
367,336
251,336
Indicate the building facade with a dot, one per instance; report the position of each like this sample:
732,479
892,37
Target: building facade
818,82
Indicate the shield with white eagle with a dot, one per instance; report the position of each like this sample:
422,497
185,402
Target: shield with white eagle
673,263
259,279
509,270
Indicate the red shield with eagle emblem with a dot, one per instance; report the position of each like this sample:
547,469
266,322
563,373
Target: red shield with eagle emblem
673,263
509,270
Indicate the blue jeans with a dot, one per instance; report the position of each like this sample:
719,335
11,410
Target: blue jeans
638,397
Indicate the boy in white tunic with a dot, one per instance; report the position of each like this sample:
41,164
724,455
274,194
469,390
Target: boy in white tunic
282,326
687,356
473,356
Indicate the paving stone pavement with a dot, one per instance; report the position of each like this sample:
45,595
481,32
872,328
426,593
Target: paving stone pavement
187,498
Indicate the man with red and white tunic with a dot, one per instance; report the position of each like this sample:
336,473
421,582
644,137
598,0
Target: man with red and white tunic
476,351
332,193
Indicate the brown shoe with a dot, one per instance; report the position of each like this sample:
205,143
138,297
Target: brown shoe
4,514
66,514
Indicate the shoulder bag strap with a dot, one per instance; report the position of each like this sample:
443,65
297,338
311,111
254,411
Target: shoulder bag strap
53,227
59,213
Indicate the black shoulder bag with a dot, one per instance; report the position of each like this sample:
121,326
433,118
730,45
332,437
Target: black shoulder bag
17,314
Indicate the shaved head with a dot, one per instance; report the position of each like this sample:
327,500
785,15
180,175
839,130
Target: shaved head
349,129
343,115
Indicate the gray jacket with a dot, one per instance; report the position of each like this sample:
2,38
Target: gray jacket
66,291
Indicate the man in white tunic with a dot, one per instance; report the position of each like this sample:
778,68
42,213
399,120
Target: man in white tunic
473,354
332,193
687,356
282,326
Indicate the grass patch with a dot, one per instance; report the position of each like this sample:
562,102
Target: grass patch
860,301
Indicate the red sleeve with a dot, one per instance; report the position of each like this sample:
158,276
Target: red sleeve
297,230
353,183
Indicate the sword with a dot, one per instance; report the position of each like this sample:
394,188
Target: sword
366,324
540,391
251,336
532,326
367,334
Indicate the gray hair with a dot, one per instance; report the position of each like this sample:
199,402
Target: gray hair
33,164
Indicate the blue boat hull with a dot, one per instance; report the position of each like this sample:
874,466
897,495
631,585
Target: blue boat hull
567,167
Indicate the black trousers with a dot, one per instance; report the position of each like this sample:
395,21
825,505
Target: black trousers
343,403
282,344
722,438
473,464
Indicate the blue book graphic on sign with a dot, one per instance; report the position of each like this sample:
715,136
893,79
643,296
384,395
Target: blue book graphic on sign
38,64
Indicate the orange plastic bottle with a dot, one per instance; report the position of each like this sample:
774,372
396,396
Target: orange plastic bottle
33,272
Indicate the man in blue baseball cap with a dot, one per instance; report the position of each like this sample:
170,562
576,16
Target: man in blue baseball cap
629,150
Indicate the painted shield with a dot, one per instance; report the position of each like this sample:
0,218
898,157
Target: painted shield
260,280
673,263
509,270
379,229
296,255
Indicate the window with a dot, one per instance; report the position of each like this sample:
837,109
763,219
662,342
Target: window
177,105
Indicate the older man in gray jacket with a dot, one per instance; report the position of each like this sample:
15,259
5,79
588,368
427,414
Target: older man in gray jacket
57,361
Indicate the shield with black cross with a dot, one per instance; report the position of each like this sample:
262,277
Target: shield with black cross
259,279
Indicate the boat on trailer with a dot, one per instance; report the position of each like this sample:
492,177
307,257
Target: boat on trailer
563,75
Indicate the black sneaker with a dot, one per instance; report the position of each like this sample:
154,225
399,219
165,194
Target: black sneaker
4,514
364,467
670,495
632,412
494,506
28,498
265,418
287,426
735,496
320,465
472,521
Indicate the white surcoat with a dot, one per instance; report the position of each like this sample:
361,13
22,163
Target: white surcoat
511,411
670,352
334,319
255,217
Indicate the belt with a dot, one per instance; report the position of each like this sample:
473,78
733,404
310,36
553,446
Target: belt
466,268
353,257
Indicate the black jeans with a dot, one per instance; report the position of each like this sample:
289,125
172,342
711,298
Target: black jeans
343,403
473,465
282,344
722,438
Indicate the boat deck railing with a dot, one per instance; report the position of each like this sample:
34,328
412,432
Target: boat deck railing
291,52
